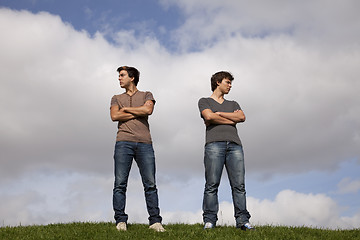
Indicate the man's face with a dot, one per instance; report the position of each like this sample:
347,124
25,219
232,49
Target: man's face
125,80
225,86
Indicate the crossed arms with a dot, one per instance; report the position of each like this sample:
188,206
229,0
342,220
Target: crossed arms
127,113
229,118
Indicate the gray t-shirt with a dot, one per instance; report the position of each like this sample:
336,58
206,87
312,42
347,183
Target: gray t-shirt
220,132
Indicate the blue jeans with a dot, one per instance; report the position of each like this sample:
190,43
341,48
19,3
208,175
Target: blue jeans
218,154
144,156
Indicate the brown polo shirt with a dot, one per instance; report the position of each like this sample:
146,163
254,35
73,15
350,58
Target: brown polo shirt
134,130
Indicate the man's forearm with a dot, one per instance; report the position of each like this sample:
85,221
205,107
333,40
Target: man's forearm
217,119
138,111
213,118
141,111
236,116
122,116
118,114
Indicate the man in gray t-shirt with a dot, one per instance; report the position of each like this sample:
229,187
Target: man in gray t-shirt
223,148
220,132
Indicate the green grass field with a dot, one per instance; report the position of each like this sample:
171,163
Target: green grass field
173,231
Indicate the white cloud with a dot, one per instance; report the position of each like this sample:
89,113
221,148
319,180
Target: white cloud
48,84
308,22
12,208
291,208
347,185
296,209
40,198
88,198
56,86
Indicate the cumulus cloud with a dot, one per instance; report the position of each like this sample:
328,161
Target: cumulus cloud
48,83
296,209
56,86
307,22
12,208
347,185
288,208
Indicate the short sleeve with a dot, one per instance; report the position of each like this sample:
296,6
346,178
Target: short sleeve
113,101
149,96
203,104
236,106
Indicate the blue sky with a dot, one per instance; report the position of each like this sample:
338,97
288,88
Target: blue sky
296,77
142,17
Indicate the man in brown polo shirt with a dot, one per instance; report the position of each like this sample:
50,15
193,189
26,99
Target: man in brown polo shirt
133,141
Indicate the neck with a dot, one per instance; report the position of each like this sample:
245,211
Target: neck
131,90
217,95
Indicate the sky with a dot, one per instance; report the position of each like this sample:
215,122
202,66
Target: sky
296,70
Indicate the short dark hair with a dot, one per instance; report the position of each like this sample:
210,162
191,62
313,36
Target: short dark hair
218,77
132,72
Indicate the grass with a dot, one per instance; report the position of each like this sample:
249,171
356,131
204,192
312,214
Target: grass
104,230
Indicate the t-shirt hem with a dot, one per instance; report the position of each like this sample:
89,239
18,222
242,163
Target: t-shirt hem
238,143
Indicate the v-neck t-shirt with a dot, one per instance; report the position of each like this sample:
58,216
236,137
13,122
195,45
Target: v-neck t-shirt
133,130
220,132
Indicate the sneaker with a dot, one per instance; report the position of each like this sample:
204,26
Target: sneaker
208,225
158,227
247,226
121,226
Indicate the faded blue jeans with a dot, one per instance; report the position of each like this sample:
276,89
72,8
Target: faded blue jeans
144,156
231,155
